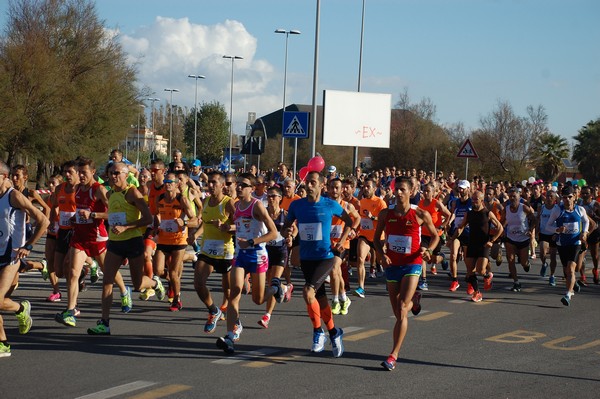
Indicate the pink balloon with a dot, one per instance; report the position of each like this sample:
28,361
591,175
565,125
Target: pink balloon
316,164
303,172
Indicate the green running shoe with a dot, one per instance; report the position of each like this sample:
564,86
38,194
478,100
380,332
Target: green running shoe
336,308
45,273
67,318
100,329
24,318
159,289
126,301
4,350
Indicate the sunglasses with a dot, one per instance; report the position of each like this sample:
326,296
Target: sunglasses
243,185
116,173
229,183
169,181
567,196
273,195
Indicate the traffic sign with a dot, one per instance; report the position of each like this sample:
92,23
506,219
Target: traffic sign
295,125
467,150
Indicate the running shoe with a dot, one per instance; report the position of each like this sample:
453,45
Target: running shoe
359,292
477,297
566,300
24,318
288,293
433,270
264,321
516,287
596,276
454,286
423,286
552,281
499,258
226,344
576,286
372,275
487,281
170,294
470,289
389,363
82,285
176,306
211,322
94,272
54,297
445,264
345,305
237,331
319,340
159,289
100,329
44,271
4,350
279,294
337,342
67,318
223,313
416,300
147,294
582,282
336,308
527,267
126,302
544,269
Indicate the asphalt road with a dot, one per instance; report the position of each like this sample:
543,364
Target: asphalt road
511,345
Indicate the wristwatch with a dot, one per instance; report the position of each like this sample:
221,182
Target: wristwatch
251,242
28,247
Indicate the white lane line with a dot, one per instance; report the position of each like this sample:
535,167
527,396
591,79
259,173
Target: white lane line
120,390
247,356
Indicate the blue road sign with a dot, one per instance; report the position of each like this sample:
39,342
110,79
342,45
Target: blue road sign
295,125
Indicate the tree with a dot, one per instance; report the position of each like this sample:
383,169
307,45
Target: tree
66,86
213,132
548,151
586,151
504,140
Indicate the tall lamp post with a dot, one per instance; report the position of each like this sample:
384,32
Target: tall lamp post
196,77
233,58
287,35
137,161
171,124
153,100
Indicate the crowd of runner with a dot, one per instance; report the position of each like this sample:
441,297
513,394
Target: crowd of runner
253,227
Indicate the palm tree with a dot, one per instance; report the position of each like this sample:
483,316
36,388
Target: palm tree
548,151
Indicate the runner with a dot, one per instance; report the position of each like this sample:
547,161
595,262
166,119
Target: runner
314,215
127,215
216,243
253,228
592,208
519,222
480,221
494,206
572,229
403,258
459,208
547,242
14,208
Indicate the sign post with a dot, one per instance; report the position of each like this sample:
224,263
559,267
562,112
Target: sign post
467,151
295,125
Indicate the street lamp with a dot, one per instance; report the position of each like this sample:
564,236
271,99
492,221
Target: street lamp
171,126
196,77
287,35
142,106
233,58
153,100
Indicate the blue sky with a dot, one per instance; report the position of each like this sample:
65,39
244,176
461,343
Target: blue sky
464,55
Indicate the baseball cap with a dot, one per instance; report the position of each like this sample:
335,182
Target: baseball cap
196,163
464,184
567,190
332,169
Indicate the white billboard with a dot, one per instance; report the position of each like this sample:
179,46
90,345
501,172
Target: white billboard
356,119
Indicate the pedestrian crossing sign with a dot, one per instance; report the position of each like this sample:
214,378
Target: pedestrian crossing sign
467,150
295,125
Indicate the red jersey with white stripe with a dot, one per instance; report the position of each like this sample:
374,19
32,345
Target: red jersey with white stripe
403,237
89,230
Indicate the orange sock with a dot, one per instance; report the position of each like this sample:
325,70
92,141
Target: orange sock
314,312
327,317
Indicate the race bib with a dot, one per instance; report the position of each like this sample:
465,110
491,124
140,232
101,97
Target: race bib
213,247
571,228
64,218
366,224
169,226
243,228
117,219
80,220
277,242
311,231
400,244
336,231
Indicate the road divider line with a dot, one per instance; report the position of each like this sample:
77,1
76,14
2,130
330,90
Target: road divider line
364,335
433,316
161,392
119,390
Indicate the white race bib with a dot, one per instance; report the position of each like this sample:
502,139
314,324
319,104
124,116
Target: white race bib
336,231
213,247
80,220
117,219
571,228
64,218
169,226
400,244
366,224
311,231
277,242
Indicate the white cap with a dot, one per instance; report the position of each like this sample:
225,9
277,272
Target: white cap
464,184
332,169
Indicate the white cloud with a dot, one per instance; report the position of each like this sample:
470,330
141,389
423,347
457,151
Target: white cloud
167,51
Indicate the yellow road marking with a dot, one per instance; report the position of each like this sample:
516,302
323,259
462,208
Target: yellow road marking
364,335
433,316
487,301
162,392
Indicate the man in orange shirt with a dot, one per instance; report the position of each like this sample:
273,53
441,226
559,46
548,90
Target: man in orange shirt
370,206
